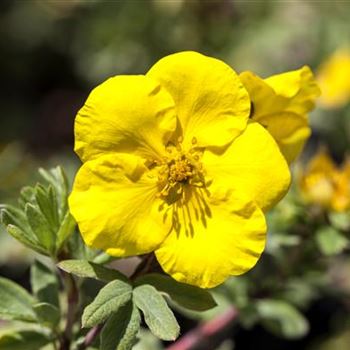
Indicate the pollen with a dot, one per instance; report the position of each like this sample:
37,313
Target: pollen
178,170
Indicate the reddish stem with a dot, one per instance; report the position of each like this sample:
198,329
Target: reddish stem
207,335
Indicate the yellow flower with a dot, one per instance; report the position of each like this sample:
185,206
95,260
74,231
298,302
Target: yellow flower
171,165
326,184
334,79
281,104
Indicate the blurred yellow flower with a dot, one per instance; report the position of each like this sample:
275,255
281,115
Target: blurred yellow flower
326,184
334,79
281,104
172,165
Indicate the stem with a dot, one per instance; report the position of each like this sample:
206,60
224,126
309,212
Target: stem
72,303
207,335
90,337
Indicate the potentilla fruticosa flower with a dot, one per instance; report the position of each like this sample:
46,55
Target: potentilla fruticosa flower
281,104
172,165
326,184
334,78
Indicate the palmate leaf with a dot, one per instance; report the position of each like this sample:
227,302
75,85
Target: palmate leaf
158,316
42,222
187,296
15,302
18,227
119,333
108,301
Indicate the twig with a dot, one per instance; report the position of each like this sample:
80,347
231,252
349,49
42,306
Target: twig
207,335
72,302
90,337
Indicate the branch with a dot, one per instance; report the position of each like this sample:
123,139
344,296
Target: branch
72,301
209,334
90,337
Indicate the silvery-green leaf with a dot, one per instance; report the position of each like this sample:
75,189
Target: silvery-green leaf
47,314
40,227
23,340
15,302
158,316
119,333
67,227
87,269
44,283
108,301
190,297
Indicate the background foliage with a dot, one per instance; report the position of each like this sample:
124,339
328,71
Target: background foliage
54,52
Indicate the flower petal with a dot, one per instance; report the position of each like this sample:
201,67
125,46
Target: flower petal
230,242
290,131
281,104
299,87
125,114
211,102
114,202
252,163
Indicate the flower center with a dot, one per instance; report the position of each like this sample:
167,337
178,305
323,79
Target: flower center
180,170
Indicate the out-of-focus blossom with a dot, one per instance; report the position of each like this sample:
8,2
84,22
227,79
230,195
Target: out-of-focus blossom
326,184
334,79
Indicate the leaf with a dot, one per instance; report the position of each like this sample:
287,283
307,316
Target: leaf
66,229
58,179
119,333
158,316
330,241
48,315
23,340
44,283
87,269
282,318
14,216
340,221
15,302
110,298
190,297
40,227
21,236
47,202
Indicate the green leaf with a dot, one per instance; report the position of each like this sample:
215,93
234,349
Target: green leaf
57,178
14,216
40,227
66,229
190,297
47,202
330,241
110,298
48,315
21,236
87,269
158,316
15,302
340,221
44,283
282,319
23,340
119,333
